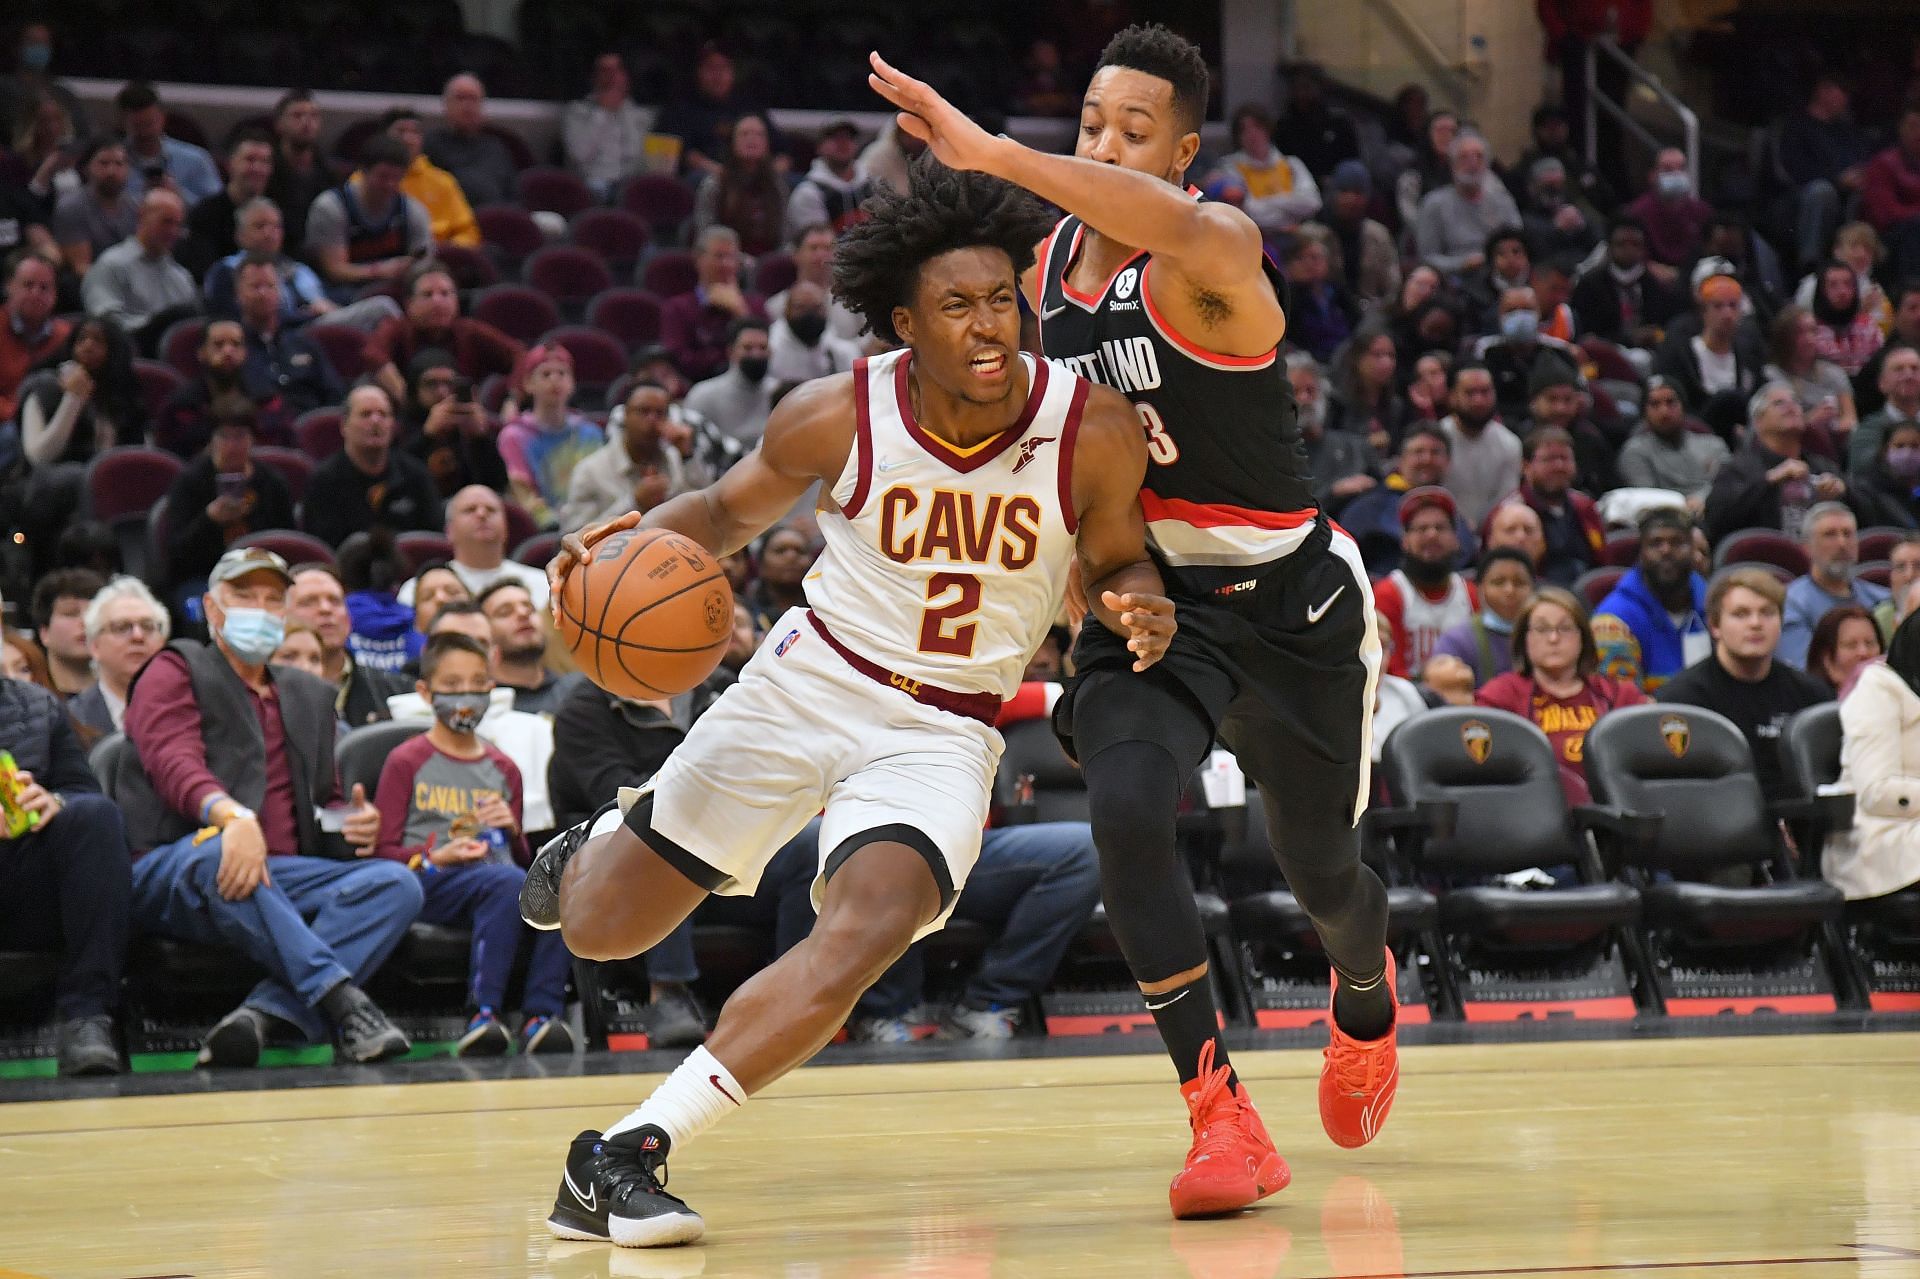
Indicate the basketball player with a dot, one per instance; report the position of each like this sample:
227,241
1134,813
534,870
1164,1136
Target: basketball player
959,478
1146,288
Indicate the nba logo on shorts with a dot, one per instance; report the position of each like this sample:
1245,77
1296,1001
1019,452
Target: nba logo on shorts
786,643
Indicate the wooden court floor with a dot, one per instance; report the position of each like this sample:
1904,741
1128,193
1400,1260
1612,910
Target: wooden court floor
1760,1156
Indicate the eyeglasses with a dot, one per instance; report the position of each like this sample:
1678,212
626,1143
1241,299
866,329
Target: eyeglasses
128,625
1556,629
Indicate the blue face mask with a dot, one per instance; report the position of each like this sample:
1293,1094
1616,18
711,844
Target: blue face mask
253,634
1520,324
36,57
1495,623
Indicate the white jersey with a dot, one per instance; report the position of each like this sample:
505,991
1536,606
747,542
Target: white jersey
942,565
1424,621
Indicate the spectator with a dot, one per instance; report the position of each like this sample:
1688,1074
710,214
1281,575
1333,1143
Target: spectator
1832,538
222,495
1742,681
1361,250
1713,369
83,401
1665,454
283,365
301,174
1899,385
1515,524
1514,353
29,330
1431,170
636,470
1846,639
1374,517
1427,392
1889,494
1572,28
221,739
1553,139
1321,136
317,599
605,133
813,264
367,230
1424,597
32,79
1560,400
1556,683
1557,221
153,158
451,435
696,326
830,193
1879,738
1470,653
1553,290
1847,331
1825,395
1890,194
745,194
434,587
64,883
1340,464
42,163
300,649
137,283
1321,314
519,645
450,808
125,625
1043,88
705,450
1732,247
1675,218
368,482
1858,245
799,346
1620,300
704,121
1904,569
1653,624
613,742
1569,521
1366,399
1451,232
1824,154
448,212
433,322
303,298
544,444
886,159
1274,189
1508,266
1427,315
479,162
1868,395
787,553
185,422
1484,463
739,399
60,602
477,529
1770,483
21,659
214,222
89,221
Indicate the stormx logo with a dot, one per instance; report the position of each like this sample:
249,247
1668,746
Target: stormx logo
786,643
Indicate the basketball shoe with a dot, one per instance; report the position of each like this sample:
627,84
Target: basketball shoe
540,894
1358,1078
613,1189
1232,1162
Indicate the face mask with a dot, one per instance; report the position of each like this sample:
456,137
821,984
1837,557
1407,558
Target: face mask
1626,274
1904,463
1673,185
35,57
807,328
753,367
1495,623
460,712
1520,324
253,634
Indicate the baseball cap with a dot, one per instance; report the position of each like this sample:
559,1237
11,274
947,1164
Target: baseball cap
1351,175
1714,268
1418,500
842,125
242,560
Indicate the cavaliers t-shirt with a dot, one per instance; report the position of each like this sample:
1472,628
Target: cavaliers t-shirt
1565,720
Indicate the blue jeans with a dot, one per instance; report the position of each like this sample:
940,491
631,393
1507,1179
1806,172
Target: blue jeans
319,923
486,898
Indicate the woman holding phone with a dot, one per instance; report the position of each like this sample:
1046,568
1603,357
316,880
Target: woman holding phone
221,496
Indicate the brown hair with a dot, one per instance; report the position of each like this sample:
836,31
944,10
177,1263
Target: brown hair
1826,637
1560,597
1758,580
30,651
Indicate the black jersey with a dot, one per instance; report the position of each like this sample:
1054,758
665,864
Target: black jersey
1226,495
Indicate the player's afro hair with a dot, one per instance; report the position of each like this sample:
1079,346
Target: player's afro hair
876,266
1153,49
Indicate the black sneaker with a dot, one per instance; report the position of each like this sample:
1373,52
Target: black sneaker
87,1048
613,1190
365,1034
235,1040
540,894
675,1019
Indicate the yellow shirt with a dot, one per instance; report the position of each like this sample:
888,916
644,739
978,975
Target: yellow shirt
446,203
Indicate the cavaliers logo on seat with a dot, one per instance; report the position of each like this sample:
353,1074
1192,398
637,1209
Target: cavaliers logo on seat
1477,738
1674,732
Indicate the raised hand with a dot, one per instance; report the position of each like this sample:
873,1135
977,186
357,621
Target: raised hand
954,139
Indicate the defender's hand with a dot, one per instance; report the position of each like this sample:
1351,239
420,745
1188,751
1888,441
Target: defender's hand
1149,621
577,549
957,141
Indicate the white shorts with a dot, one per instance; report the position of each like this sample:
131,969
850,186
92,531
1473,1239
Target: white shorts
803,731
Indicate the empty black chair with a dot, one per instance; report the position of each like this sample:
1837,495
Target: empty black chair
363,752
1731,926
1034,762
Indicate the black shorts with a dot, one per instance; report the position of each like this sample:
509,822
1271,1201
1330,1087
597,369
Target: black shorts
1282,668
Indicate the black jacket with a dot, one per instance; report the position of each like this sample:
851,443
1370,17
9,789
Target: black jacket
1881,501
195,543
34,728
1741,496
607,744
364,700
1599,304
341,500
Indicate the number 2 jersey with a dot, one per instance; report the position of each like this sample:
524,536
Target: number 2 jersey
948,565
1226,495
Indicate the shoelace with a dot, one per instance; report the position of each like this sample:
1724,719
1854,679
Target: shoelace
1211,1137
1357,1067
630,1171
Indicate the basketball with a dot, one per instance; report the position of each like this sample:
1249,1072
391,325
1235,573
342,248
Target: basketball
649,616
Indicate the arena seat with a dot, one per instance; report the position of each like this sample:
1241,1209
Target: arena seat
663,203
510,232
774,272
417,547
598,359
569,275
1725,913
1622,549
630,315
669,274
345,347
1878,543
1761,546
471,268
318,431
535,551
291,465
1879,572
123,483
1033,752
362,752
616,235
290,545
1596,584
516,310
158,381
180,346
550,190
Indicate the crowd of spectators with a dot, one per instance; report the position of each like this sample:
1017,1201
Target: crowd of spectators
1547,408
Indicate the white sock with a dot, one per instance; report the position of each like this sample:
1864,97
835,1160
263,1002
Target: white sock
695,1097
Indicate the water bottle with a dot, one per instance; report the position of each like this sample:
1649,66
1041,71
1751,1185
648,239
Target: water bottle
496,842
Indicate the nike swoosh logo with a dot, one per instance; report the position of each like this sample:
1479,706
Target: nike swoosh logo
1153,1007
886,467
1315,614
1050,312
715,1081
591,1200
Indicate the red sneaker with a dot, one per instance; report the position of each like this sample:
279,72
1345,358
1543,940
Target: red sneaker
1232,1162
1358,1078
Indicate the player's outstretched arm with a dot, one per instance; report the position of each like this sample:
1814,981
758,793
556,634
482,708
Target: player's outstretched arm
808,438
1123,587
